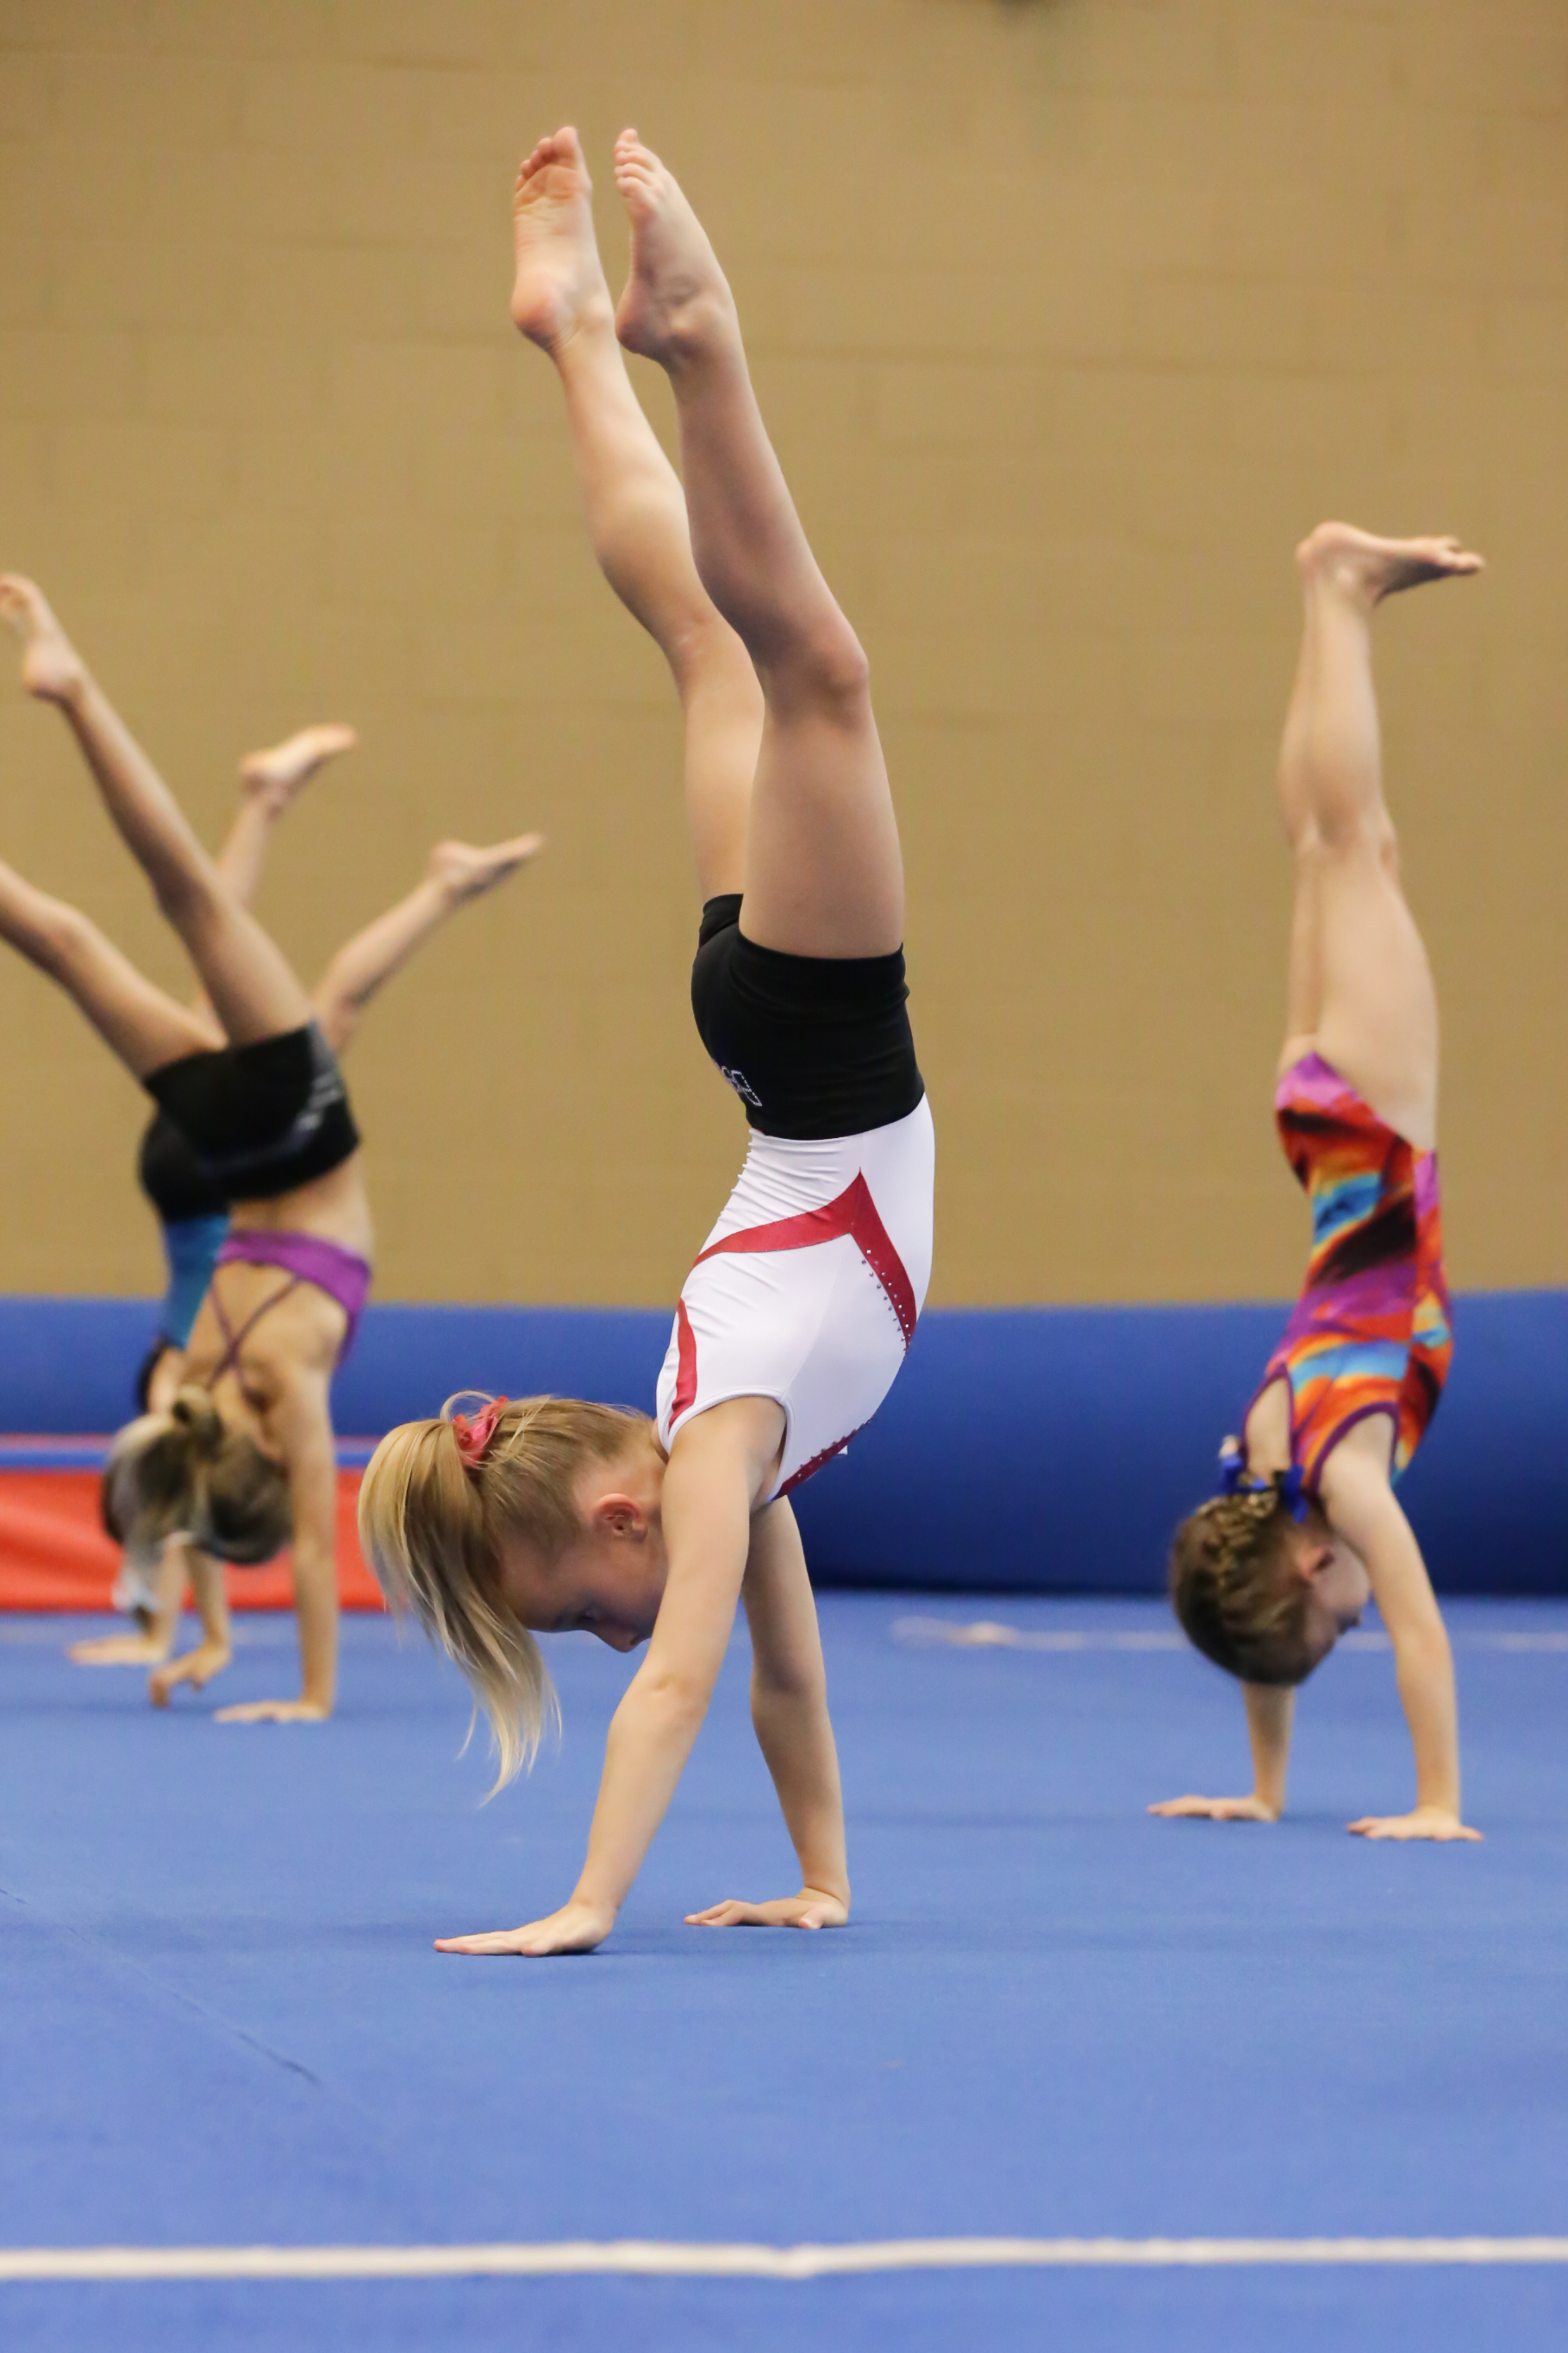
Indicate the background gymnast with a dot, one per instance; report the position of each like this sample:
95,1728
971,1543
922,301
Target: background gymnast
192,1210
1266,1576
552,1514
240,1458
191,1204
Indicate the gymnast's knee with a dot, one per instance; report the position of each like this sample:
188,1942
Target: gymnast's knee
823,669
64,939
187,897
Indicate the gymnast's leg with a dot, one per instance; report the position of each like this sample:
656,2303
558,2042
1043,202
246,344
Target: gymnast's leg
457,875
824,873
253,990
1360,990
633,502
268,783
143,1026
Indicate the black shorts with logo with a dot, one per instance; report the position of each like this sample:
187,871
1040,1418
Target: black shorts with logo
814,1045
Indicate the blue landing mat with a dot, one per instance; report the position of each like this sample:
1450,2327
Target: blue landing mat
221,2023
1037,1448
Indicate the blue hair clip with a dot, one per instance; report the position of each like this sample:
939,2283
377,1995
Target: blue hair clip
1293,1489
1289,1485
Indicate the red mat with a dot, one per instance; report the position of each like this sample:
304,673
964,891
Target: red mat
54,1554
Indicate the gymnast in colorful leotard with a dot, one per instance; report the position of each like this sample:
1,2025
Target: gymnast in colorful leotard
1267,1576
239,1460
548,1513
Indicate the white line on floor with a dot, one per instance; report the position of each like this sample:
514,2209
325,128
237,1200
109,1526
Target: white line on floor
671,2260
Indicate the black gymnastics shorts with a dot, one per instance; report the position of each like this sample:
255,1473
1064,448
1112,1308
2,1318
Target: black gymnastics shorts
814,1045
256,1121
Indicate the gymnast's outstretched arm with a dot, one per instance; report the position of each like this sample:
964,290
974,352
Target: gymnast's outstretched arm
718,1465
1270,1712
1364,1509
213,1654
794,1732
304,1424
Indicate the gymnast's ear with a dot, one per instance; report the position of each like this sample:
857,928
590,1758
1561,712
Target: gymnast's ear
619,1516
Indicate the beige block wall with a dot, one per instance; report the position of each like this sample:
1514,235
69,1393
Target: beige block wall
1069,320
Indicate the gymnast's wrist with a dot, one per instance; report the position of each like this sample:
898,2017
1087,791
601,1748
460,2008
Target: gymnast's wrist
593,1897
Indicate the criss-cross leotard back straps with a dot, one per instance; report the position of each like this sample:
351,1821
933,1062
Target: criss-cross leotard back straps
234,1341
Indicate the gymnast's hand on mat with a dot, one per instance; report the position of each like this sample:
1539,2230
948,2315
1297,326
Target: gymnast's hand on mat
195,1667
1425,1822
1217,1809
575,1928
273,1711
812,1908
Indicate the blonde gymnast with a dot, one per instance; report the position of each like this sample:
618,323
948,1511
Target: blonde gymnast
550,1514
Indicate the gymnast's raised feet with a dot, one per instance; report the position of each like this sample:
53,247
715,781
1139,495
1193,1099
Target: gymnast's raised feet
1367,569
462,873
51,667
677,301
560,285
273,777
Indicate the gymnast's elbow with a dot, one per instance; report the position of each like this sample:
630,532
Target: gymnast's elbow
671,1698
783,1689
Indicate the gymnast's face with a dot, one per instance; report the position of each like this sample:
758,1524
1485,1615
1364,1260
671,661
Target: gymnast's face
1337,1574
609,1581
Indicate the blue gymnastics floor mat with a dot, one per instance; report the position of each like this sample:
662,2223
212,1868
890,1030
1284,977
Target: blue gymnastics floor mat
222,2022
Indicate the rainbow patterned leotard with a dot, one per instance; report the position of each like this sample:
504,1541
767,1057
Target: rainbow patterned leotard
1371,1332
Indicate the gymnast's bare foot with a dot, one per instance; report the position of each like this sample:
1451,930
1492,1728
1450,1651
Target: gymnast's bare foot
273,777
1368,569
560,285
464,872
676,299
120,1651
51,667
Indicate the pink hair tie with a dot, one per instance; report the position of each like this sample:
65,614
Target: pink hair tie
473,1437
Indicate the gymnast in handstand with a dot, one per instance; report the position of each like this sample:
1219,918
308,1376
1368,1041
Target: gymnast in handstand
191,1204
548,1514
1267,1576
239,1461
192,1210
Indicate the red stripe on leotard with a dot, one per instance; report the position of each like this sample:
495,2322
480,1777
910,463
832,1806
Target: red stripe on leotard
853,1213
809,1469
685,1361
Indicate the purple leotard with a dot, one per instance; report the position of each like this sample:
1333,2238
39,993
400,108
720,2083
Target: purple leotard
341,1273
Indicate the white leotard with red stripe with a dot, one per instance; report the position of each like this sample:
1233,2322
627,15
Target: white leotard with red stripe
808,1288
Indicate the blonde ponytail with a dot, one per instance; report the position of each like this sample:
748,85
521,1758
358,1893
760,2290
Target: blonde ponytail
431,1524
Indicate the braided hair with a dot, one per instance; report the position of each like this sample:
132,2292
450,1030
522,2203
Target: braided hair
1233,1589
